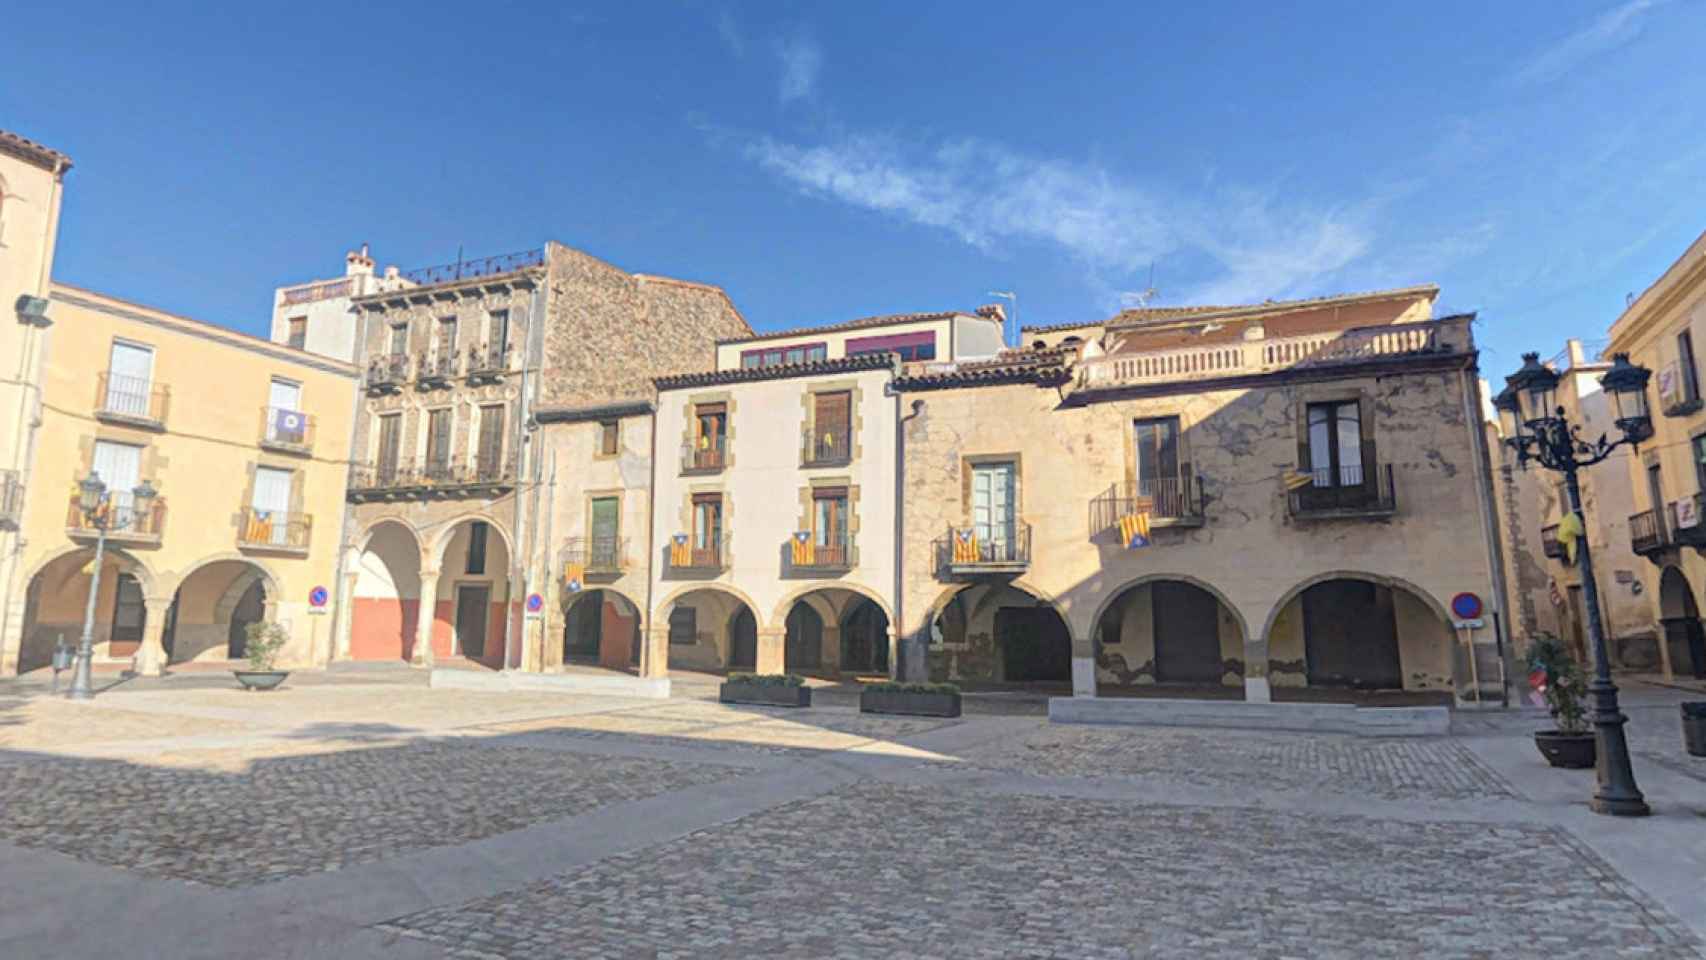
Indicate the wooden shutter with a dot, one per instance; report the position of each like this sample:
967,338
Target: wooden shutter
834,413
491,437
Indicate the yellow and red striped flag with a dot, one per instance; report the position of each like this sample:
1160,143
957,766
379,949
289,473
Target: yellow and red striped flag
679,554
965,546
1134,530
805,552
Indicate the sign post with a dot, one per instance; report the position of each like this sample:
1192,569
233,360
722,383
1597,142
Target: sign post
1466,617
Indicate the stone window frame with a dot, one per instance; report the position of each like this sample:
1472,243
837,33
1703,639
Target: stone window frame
1129,445
148,462
619,494
970,460
807,515
1698,468
728,537
1306,396
855,417
690,426
610,424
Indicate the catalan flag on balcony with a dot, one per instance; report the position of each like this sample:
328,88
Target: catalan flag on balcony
1298,479
574,577
679,554
805,552
1569,531
1134,530
260,527
965,546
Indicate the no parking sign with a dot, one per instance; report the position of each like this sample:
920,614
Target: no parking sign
317,598
535,603
1466,609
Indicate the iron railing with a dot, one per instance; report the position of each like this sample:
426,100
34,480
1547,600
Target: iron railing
427,475
1647,533
1359,492
11,499
130,398
695,558
285,429
387,371
436,368
123,521
980,549
1169,500
835,555
707,457
488,361
826,447
597,555
1549,543
273,529
481,267
319,290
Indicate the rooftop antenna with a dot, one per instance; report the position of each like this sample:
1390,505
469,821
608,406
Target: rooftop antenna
1137,301
1010,339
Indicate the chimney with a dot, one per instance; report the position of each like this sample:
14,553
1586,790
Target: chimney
994,311
358,263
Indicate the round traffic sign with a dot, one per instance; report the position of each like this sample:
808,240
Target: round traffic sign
535,602
318,596
1466,606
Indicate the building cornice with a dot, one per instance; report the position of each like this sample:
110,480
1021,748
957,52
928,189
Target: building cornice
603,411
1279,378
1641,317
708,378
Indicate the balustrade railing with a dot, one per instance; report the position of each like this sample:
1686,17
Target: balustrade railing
273,529
131,398
478,267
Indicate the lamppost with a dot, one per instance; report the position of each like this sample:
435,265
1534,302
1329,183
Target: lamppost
95,503
1535,427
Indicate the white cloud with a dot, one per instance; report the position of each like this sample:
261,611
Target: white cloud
990,197
1610,30
801,59
729,30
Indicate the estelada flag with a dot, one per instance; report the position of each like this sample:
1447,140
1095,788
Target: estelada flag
805,552
574,577
679,555
1297,480
965,546
1134,530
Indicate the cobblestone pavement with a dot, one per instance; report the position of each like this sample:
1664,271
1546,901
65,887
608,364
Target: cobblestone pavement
1390,769
296,814
980,875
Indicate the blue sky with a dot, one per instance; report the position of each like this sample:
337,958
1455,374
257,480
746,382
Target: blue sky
1537,160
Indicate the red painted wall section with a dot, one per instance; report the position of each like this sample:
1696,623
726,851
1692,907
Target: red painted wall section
443,631
383,628
615,640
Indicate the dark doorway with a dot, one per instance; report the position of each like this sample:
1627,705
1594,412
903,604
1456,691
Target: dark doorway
1035,645
743,640
865,638
473,609
802,647
251,608
583,626
169,637
130,616
1350,636
1187,633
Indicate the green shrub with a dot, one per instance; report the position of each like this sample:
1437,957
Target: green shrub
1564,684
896,686
768,679
262,642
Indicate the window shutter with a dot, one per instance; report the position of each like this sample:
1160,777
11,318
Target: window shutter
1301,414
1370,462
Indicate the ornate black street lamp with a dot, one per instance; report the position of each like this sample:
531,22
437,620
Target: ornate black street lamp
95,503
1536,429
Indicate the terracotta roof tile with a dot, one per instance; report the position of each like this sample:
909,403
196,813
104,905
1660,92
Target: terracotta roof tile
1025,365
877,321
33,151
706,378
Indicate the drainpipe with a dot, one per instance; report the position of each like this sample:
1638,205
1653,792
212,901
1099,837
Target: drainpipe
550,516
1488,511
535,329
906,648
651,531
345,619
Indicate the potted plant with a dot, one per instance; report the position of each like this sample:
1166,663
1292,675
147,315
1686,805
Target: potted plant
263,641
766,689
912,699
1555,675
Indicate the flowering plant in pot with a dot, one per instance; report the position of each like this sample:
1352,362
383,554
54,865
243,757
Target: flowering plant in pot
1557,678
262,642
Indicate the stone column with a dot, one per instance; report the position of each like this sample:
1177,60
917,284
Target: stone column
150,658
346,620
1256,688
772,651
654,659
1083,676
830,653
428,610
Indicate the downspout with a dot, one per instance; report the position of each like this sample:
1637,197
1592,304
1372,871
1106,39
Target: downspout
907,649
651,531
344,623
1486,505
550,516
535,326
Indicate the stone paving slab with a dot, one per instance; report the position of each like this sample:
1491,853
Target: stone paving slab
42,723
231,818
1393,769
1000,875
777,731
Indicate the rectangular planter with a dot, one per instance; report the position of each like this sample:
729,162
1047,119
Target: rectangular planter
768,695
909,704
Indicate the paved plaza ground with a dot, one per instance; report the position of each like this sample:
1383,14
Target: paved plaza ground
359,813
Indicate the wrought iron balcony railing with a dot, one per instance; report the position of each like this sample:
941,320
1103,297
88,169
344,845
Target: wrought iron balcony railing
818,558
123,520
387,372
826,447
703,457
291,431
1647,532
436,369
597,555
975,550
430,477
278,530
694,559
129,399
1549,544
11,499
1351,491
1169,501
479,267
489,362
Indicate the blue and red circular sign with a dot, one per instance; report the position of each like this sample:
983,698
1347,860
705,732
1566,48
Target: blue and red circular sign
535,603
318,596
1466,606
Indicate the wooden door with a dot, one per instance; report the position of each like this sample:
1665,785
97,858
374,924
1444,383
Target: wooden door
743,641
473,610
130,617
1034,644
1350,636
1187,633
803,644
582,626
438,443
488,462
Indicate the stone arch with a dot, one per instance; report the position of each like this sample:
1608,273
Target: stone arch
1676,596
1203,585
440,541
1684,646
787,603
722,618
985,635
831,613
1394,636
474,612
135,565
1376,578
733,591
54,607
1167,629
384,598
204,621
253,564
604,626
365,537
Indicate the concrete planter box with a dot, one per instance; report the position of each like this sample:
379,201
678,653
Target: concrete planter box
260,679
765,694
909,703
1572,751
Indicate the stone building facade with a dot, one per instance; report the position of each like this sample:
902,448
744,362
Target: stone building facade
1315,485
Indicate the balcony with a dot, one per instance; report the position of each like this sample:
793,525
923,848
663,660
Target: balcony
703,457
488,364
478,267
1648,534
132,401
967,552
812,559
598,557
435,371
426,479
11,499
386,374
1169,501
124,523
287,431
1360,493
316,291
685,560
274,531
1693,532
1262,355
1549,544
832,447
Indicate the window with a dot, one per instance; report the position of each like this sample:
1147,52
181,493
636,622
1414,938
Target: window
399,338
1162,475
1698,445
1690,375
920,345
829,517
609,438
446,336
792,354
269,521
707,527
130,375
1335,444
284,421
298,332
711,430
832,428
490,452
606,527
497,331
390,439
683,625
438,443
477,548
119,465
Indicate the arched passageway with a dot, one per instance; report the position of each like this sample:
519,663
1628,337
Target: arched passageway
829,631
1168,635
473,611
710,628
1353,634
999,634
864,638
1685,640
802,645
601,627
212,609
385,613
56,599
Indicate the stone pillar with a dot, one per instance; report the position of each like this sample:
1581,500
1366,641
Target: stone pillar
424,619
150,658
829,656
654,659
1084,676
1256,688
772,651
346,620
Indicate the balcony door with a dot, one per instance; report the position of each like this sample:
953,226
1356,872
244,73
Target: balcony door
993,497
119,465
491,441
390,440
438,443
130,374
284,412
832,420
606,521
1340,474
1159,487
707,529
829,520
271,503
